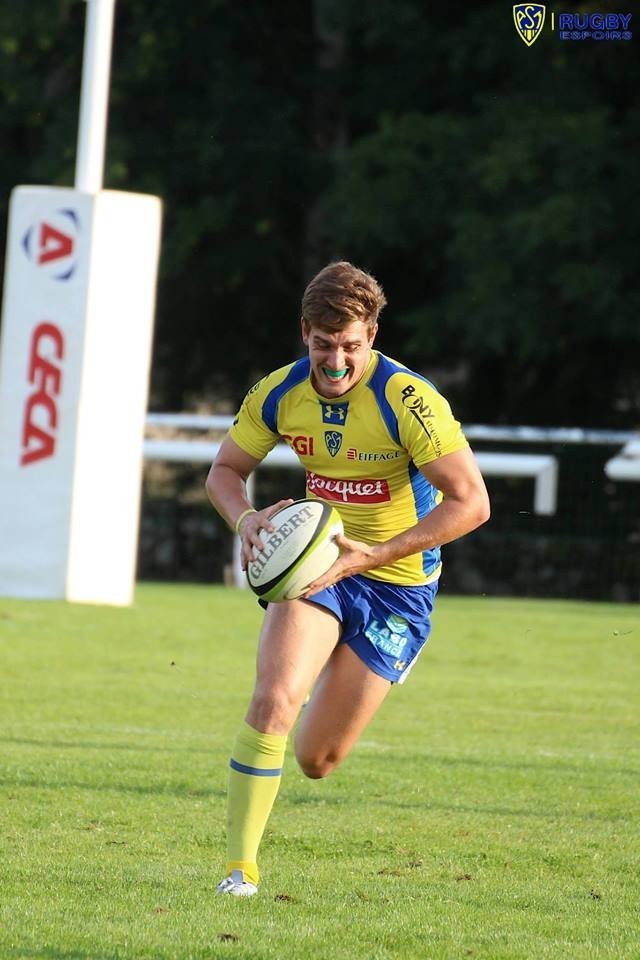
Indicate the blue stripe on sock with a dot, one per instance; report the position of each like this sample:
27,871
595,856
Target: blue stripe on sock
254,771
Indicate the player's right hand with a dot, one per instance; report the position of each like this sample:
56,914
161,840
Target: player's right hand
251,526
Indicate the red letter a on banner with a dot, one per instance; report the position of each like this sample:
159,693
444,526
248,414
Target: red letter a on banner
53,244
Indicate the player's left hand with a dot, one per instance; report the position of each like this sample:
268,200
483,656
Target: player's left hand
355,557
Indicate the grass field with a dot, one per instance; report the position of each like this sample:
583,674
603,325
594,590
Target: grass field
491,810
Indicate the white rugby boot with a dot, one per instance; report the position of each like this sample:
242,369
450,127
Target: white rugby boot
236,885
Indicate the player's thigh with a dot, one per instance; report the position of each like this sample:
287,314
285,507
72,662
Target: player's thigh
296,641
345,698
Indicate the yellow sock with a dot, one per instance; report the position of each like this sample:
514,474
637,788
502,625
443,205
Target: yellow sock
254,780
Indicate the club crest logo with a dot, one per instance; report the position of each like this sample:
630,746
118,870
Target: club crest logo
333,440
529,20
334,412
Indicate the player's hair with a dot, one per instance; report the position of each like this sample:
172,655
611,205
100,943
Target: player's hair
340,294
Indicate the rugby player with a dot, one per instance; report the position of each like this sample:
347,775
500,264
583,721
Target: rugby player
380,444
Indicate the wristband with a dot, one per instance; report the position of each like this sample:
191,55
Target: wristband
245,513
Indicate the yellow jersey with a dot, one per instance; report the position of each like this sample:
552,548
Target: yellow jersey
362,452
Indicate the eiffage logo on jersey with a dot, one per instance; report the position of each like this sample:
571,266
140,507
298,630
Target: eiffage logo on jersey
348,491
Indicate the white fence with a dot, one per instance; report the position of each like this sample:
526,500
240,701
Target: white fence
541,468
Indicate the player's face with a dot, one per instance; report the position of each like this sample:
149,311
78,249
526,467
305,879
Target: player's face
338,359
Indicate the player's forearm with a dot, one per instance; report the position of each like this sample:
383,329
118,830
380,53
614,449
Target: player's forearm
450,520
227,491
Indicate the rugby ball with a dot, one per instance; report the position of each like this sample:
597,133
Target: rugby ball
301,548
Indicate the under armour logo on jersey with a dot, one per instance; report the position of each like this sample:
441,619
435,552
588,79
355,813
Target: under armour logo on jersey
333,440
334,412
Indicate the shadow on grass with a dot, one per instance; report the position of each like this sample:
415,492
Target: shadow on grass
159,789
51,953
395,802
100,745
539,765
533,812
117,953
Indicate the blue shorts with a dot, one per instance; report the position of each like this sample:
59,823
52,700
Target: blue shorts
385,624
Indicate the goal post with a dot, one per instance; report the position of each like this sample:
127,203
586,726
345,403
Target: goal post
75,352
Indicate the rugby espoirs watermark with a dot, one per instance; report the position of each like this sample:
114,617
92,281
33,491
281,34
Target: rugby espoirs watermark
530,19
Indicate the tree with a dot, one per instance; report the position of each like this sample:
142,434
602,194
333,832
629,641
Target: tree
491,187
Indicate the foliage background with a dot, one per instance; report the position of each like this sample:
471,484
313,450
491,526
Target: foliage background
492,188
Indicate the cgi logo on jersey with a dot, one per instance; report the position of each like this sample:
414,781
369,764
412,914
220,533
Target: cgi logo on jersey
52,244
302,445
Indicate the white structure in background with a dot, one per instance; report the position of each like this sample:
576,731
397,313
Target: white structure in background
74,364
626,464
542,468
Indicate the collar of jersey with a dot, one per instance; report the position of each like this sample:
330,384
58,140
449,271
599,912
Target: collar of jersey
355,390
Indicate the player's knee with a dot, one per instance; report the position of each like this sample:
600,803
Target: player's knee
272,708
317,766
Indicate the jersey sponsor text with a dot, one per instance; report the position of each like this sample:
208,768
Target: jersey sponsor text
348,491
302,445
353,454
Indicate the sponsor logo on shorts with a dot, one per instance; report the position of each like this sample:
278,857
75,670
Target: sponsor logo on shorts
388,637
353,454
348,491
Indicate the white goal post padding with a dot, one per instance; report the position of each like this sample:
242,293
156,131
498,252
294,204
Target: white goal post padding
75,354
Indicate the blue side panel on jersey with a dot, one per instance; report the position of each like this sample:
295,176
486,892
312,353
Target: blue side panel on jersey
424,495
383,372
399,368
377,383
299,372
